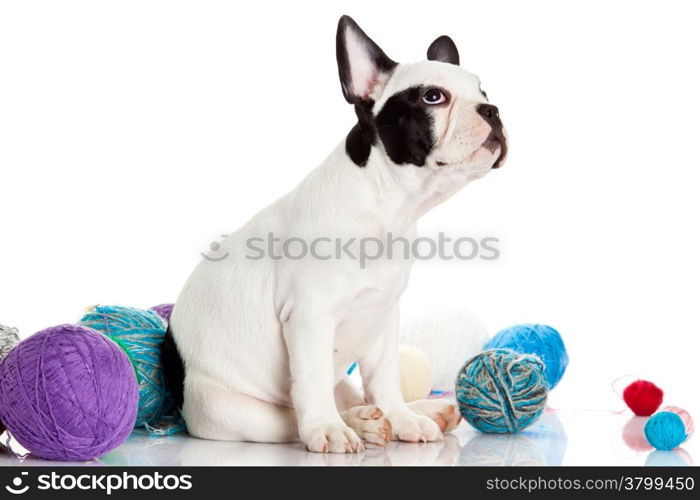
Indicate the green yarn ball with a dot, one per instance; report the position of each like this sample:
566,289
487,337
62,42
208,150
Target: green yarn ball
140,334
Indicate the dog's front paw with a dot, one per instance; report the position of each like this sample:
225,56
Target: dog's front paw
414,428
331,438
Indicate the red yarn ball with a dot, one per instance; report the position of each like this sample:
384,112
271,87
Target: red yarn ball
643,397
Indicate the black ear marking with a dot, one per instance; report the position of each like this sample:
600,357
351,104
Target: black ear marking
443,49
359,142
360,61
362,65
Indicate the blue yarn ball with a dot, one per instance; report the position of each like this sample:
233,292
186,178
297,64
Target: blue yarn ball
665,430
501,391
541,340
140,333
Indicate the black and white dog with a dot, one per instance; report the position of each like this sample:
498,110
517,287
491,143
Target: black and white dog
266,343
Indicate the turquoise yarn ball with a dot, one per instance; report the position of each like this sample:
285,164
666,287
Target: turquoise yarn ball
140,333
540,340
501,391
666,430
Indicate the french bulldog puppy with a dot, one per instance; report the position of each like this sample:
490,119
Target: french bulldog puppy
265,342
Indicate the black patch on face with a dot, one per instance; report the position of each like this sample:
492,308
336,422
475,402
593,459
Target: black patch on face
405,127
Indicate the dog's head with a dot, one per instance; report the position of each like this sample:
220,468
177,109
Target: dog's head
432,114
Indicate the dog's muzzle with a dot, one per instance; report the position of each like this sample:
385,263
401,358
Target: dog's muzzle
496,138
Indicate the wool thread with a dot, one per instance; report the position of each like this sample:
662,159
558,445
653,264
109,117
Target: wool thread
140,333
68,393
9,338
501,391
669,428
540,340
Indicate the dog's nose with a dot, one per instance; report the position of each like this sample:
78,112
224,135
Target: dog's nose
490,113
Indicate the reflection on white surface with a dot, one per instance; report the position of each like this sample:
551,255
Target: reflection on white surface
201,452
674,458
142,449
633,434
182,450
542,444
558,438
501,449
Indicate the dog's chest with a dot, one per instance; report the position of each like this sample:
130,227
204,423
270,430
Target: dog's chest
363,318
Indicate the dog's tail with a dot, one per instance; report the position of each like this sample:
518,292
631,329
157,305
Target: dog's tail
173,368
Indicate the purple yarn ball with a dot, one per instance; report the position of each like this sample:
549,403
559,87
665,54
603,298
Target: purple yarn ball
164,311
68,393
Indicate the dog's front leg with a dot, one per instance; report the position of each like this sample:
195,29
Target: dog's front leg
382,383
309,337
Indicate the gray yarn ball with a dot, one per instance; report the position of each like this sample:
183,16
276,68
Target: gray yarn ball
9,338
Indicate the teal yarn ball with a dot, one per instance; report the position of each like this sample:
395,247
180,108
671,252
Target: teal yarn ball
140,333
668,429
501,391
540,340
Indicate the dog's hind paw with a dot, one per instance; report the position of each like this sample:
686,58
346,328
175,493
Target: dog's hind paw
442,412
369,423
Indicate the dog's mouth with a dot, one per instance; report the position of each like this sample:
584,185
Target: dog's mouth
497,140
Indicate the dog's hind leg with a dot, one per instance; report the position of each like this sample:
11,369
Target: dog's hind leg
216,412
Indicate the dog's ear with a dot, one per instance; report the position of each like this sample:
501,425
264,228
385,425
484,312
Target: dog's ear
443,49
363,67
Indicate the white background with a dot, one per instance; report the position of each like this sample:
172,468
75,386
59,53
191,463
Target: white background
134,133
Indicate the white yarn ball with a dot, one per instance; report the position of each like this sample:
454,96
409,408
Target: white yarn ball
416,373
449,335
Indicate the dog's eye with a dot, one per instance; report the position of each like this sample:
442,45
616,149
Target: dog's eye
484,94
434,96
